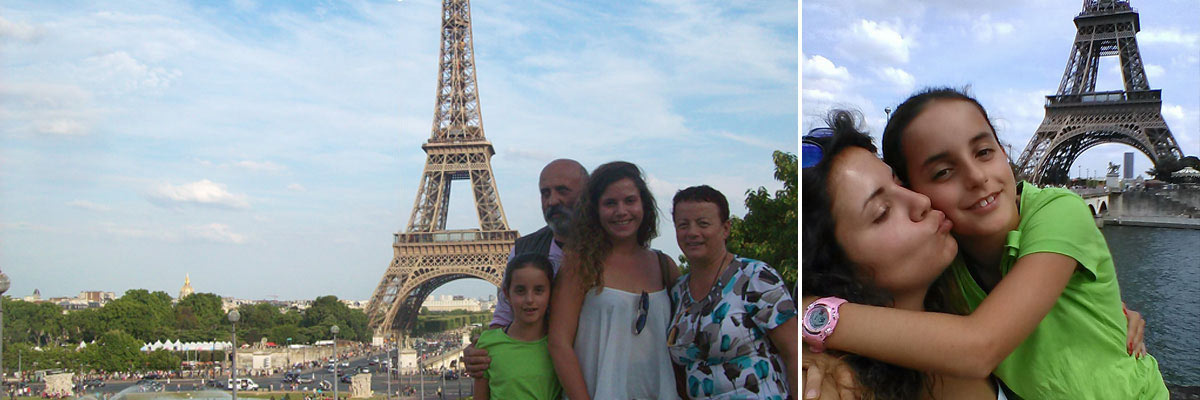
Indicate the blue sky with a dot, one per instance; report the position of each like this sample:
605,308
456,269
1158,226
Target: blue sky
871,54
273,148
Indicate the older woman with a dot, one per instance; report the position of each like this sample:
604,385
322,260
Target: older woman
734,325
609,308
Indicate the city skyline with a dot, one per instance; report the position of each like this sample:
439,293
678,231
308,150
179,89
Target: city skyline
274,148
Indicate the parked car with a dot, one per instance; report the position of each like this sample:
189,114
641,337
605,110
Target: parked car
93,383
364,370
243,384
146,385
304,379
347,378
373,361
290,377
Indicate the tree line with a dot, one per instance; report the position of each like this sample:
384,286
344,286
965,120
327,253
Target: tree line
115,333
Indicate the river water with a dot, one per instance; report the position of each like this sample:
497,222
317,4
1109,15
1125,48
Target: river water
1159,273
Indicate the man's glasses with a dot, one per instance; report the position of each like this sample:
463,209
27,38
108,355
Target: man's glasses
812,146
643,308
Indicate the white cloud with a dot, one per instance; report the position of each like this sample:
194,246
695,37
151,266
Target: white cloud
1168,36
296,187
897,77
1174,112
215,232
823,79
61,126
46,108
18,30
986,30
876,40
257,166
1154,71
203,192
123,74
818,67
87,205
752,141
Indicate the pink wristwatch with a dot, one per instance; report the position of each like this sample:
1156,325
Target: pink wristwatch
820,318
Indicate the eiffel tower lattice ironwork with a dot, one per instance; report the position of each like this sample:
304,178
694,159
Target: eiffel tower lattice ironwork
1079,118
427,255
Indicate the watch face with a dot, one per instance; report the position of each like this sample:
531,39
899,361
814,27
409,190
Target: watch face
817,319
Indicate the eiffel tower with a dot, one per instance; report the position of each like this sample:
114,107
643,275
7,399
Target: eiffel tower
1079,118
428,255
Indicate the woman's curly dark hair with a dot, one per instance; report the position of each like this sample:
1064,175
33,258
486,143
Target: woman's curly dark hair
827,271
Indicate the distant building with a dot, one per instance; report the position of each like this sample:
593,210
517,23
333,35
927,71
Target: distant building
355,304
1129,165
97,296
451,303
186,290
35,298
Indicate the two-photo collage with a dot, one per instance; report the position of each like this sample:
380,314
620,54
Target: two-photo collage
817,199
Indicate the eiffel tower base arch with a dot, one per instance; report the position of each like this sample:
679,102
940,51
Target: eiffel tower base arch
1070,129
425,261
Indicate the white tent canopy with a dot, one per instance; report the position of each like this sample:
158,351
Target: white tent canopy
188,346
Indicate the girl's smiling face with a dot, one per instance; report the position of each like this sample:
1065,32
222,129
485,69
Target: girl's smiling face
529,294
953,157
620,210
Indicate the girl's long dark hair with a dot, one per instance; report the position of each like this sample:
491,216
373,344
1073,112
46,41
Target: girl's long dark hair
827,271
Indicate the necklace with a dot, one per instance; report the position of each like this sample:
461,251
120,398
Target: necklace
717,276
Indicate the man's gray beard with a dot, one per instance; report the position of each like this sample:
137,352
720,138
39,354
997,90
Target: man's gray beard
560,226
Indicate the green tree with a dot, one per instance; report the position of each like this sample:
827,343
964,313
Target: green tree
162,359
1166,165
199,311
326,311
145,315
83,325
115,351
37,323
768,231
257,321
280,334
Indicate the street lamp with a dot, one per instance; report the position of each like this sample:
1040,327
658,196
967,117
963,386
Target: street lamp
334,330
289,353
387,356
4,284
234,316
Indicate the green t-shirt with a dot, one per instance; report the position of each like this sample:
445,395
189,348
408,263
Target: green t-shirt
519,370
1078,350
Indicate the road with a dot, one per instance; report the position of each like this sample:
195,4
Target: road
451,388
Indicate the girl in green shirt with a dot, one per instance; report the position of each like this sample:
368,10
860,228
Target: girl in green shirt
521,366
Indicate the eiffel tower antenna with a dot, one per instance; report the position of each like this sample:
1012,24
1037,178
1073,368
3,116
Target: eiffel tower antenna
1079,118
427,255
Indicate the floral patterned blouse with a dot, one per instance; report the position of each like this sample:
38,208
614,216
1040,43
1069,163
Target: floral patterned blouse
721,340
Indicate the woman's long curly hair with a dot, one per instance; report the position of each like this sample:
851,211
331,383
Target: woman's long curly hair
828,271
589,241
